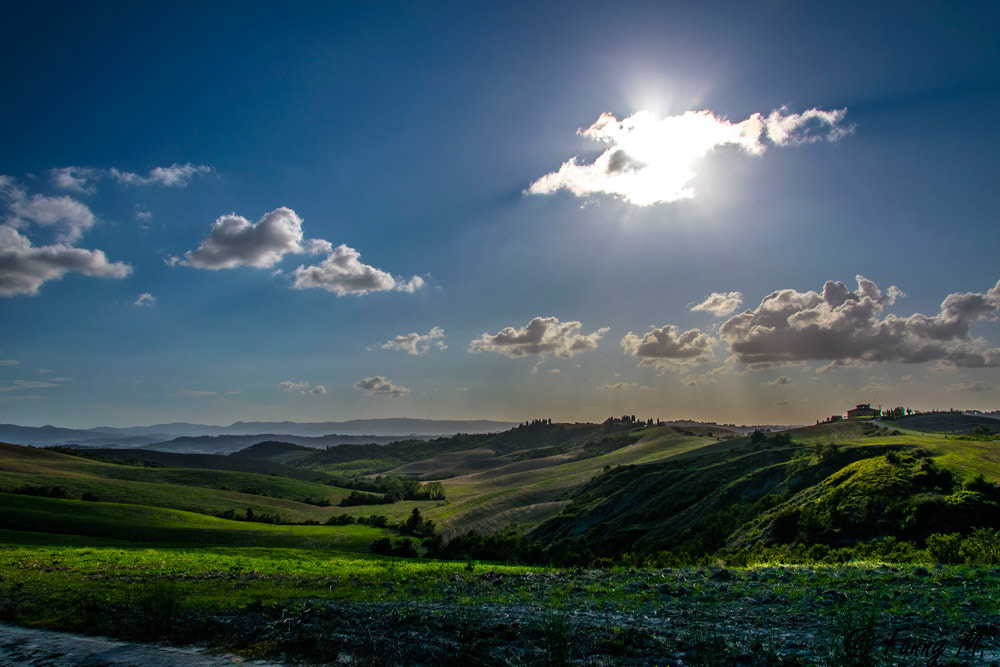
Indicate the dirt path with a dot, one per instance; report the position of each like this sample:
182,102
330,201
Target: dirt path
43,648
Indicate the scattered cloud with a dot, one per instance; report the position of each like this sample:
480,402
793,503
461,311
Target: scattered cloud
720,304
542,336
554,371
75,179
192,393
414,343
176,175
381,386
781,380
624,386
21,385
24,268
782,402
666,348
67,216
974,386
302,387
651,160
846,328
9,362
142,213
235,241
145,300
343,273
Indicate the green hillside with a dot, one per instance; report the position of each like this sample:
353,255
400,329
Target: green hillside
836,485
190,489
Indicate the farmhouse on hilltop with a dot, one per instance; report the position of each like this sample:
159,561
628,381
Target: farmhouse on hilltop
863,411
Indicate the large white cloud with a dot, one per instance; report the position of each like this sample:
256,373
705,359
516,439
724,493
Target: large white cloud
75,179
846,327
235,241
381,386
720,303
414,343
542,336
24,268
668,348
651,160
342,273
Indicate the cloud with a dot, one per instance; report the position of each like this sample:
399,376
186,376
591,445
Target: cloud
381,386
846,327
343,273
9,362
623,386
235,241
21,385
76,179
24,268
720,304
142,213
302,387
189,393
974,386
665,348
782,402
781,380
651,160
145,299
176,175
542,336
69,217
414,343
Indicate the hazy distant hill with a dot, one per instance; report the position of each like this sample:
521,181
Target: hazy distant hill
139,436
227,444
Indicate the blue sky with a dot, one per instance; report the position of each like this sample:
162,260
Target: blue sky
296,187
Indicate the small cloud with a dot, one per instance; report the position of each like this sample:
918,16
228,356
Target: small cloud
302,387
75,179
176,175
540,337
145,300
554,371
720,304
461,389
10,362
781,380
414,343
343,273
142,213
192,393
624,386
782,402
973,386
666,348
381,386
234,392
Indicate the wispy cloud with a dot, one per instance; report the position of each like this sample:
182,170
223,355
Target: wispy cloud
651,160
22,385
973,386
176,175
145,300
624,386
541,336
778,381
192,393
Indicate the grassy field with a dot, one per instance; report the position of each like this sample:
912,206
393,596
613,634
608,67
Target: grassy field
190,489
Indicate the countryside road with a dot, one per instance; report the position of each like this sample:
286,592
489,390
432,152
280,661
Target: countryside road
44,648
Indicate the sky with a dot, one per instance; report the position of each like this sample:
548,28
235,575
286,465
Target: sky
738,212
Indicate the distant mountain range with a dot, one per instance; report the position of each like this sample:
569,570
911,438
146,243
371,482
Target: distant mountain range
326,433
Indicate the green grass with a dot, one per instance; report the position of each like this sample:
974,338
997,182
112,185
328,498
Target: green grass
136,523
189,489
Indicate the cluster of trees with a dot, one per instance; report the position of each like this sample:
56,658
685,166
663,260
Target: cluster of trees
250,515
535,423
387,490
